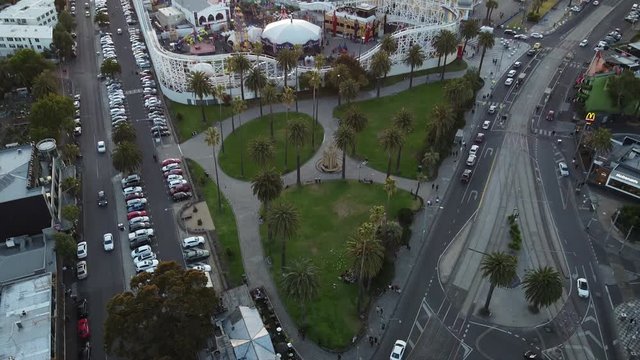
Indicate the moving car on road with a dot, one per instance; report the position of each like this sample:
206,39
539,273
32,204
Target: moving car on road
102,148
486,125
583,288
102,198
564,170
107,242
466,176
398,350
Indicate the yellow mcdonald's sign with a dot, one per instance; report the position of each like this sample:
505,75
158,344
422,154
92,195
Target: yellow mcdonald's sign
591,117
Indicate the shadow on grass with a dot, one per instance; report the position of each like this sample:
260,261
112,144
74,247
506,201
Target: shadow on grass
225,223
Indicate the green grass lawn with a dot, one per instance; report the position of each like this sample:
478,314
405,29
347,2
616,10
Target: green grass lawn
380,112
329,214
224,221
600,101
230,159
191,119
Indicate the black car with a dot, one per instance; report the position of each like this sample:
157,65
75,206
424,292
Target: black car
139,242
180,196
102,199
161,133
140,226
82,309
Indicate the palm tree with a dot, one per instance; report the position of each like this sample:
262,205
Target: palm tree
344,138
212,138
429,161
486,40
491,5
287,59
314,81
297,52
380,67
349,89
458,92
270,96
285,221
198,83
126,158
300,282
239,64
390,140
415,58
388,44
219,93
124,133
238,107
267,186
288,97
297,130
70,152
500,269
403,120
256,80
71,185
337,75
542,287
537,4
441,120
319,63
367,253
390,188
43,84
445,45
469,30
261,151
357,121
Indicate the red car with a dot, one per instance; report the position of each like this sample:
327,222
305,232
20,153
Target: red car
135,214
83,329
173,172
180,188
137,195
166,162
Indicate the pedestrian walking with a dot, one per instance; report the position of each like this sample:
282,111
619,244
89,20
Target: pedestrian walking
381,311
433,186
378,309
437,186
375,340
339,357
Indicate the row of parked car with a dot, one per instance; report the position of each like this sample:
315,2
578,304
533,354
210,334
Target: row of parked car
610,39
139,49
179,188
633,15
129,12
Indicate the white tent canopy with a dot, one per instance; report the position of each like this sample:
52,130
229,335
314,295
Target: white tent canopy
292,31
248,336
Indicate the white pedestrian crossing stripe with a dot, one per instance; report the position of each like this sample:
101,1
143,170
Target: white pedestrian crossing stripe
134,91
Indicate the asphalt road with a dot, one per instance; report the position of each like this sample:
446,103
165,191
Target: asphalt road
423,300
109,273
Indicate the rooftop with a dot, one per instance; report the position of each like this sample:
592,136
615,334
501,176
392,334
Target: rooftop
199,5
25,319
27,9
14,173
27,31
25,256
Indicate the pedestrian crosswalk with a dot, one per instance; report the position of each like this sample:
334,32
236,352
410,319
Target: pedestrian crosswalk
488,104
134,91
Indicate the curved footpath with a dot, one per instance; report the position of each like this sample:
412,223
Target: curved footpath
246,206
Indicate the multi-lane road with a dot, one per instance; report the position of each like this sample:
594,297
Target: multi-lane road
436,321
109,273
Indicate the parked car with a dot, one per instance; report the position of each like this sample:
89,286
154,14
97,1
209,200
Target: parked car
170,167
141,250
138,195
131,190
139,242
82,250
166,162
195,254
200,266
143,257
140,225
82,308
135,214
192,241
131,180
81,270
138,220
141,233
181,188
173,172
146,265
180,196
83,329
133,202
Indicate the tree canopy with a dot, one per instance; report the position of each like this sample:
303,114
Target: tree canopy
50,115
167,314
27,64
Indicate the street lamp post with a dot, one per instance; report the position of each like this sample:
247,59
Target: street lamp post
611,227
624,242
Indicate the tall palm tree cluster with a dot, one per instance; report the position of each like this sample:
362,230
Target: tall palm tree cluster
542,286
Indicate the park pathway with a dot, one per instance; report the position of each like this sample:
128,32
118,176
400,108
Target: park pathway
246,206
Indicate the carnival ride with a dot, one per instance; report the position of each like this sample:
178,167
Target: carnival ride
418,21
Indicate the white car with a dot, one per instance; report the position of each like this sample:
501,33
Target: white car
192,241
102,148
141,232
145,249
583,288
138,219
521,36
144,257
170,167
133,202
174,177
474,150
596,3
398,350
492,109
107,242
176,183
82,250
536,35
131,190
564,170
517,64
511,73
146,265
200,266
81,270
508,82
584,43
486,125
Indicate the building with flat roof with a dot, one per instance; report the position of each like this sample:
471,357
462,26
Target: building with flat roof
202,12
36,37
30,12
29,189
27,25
26,315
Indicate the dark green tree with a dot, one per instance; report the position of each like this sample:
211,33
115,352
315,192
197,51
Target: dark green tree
198,83
44,84
256,81
446,44
50,116
415,58
542,287
298,133
110,67
380,67
70,213
267,186
486,40
284,221
127,158
391,140
27,64
66,20
166,314
124,132
66,247
344,138
261,151
62,42
300,282
500,269
357,121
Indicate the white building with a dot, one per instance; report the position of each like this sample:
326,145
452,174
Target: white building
33,37
169,16
27,25
30,12
203,13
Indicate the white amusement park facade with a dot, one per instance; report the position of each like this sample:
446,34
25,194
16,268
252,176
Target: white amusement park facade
421,19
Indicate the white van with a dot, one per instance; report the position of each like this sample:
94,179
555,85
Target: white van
471,160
